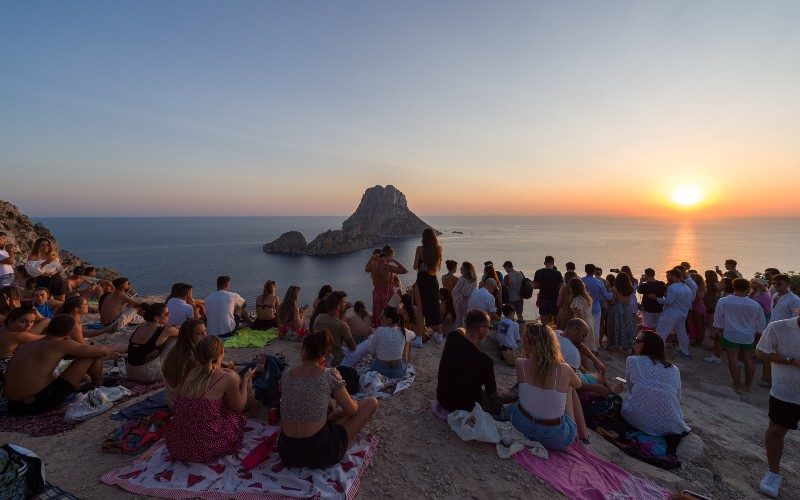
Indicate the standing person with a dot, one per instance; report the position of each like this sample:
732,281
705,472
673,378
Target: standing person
621,321
7,261
382,268
427,261
597,290
580,304
512,283
563,304
677,302
548,281
651,309
785,302
222,307
760,293
739,318
711,296
450,279
267,308
780,347
120,307
634,304
45,265
466,284
697,314
730,270
182,306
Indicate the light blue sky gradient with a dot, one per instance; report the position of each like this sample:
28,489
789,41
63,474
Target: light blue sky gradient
277,108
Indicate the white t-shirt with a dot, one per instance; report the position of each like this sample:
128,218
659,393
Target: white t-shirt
33,269
5,268
786,307
179,311
783,338
219,311
740,318
387,342
653,404
570,353
508,333
481,300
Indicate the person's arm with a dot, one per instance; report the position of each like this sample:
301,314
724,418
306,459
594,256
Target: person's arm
574,379
32,268
598,365
342,397
11,259
347,336
489,382
761,320
536,280
668,299
416,258
607,293
719,316
129,299
397,268
54,304
298,319
76,350
373,344
368,267
237,388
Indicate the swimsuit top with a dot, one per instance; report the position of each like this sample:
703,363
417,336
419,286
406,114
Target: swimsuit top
141,354
542,403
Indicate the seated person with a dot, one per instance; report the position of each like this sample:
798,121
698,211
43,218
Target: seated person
42,302
483,299
7,261
10,300
310,437
119,307
654,387
207,421
409,313
545,411
508,336
577,354
360,322
390,345
44,264
150,343
76,306
466,374
222,309
336,305
30,386
18,324
181,359
291,324
77,284
267,305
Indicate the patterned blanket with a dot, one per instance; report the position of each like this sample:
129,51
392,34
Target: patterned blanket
372,383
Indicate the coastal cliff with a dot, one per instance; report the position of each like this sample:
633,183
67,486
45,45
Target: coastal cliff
382,214
23,232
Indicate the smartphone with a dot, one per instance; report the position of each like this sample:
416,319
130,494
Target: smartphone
247,367
614,270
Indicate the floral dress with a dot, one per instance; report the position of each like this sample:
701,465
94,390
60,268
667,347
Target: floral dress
461,294
620,324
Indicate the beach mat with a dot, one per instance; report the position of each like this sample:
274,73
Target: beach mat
247,337
53,422
580,475
153,474
143,408
53,492
372,383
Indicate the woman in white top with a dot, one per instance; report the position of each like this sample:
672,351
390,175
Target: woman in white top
545,411
466,284
581,305
653,404
44,265
390,345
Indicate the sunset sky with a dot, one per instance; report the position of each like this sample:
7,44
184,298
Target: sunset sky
282,108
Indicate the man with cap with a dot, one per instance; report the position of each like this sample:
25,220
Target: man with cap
512,283
482,299
548,281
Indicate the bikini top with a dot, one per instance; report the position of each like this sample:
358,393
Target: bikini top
542,403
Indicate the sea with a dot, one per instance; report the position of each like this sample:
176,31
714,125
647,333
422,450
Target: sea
154,252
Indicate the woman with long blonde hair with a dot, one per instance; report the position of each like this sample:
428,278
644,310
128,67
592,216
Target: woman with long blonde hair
181,359
580,303
466,284
427,262
207,421
267,308
546,407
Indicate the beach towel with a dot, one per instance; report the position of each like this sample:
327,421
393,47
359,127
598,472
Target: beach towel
580,475
53,422
100,400
247,337
153,474
144,408
135,436
376,385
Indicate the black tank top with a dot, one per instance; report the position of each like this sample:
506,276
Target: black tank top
141,354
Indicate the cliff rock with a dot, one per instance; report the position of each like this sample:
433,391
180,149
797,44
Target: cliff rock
381,215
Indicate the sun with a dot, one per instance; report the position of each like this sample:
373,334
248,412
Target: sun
687,196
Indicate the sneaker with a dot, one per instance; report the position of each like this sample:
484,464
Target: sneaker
713,359
770,484
683,355
417,342
437,337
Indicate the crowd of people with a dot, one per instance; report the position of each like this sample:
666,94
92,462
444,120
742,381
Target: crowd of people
556,359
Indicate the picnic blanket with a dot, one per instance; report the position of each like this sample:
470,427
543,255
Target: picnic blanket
579,474
602,414
153,474
247,337
372,383
53,422
143,408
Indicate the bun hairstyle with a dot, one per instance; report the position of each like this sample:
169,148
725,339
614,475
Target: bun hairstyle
316,345
393,315
152,311
61,325
71,304
207,352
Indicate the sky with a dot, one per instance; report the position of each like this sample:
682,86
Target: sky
484,108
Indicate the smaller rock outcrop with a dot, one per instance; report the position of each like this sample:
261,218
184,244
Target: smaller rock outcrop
382,214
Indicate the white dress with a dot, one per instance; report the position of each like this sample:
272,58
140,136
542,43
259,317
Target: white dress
653,404
461,294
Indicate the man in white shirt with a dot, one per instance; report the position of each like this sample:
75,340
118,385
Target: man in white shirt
508,336
780,346
482,299
739,318
181,305
513,282
785,304
677,302
7,260
222,307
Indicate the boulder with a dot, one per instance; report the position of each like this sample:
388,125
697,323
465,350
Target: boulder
292,242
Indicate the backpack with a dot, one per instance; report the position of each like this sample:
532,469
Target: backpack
265,383
22,475
526,288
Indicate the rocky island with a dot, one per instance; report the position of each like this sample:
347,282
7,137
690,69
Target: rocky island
382,215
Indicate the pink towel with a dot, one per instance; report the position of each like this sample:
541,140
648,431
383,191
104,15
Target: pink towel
437,410
579,474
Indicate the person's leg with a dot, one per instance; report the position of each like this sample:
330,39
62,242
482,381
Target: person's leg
353,425
351,358
683,337
773,442
596,318
766,374
577,414
749,368
78,369
732,354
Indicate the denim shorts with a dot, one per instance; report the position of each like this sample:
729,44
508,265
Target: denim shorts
552,437
7,279
396,371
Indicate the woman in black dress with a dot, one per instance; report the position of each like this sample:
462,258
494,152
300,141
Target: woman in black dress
427,262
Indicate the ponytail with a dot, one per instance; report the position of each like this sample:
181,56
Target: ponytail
393,315
207,351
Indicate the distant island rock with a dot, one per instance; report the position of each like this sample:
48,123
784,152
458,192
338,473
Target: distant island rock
382,215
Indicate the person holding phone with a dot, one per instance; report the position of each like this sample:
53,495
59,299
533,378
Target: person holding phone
45,265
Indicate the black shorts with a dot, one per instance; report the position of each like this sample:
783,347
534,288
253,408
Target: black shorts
784,414
320,451
264,324
548,304
45,400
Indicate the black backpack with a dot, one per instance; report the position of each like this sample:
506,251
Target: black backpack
526,288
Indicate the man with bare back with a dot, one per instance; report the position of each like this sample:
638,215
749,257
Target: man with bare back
30,385
382,268
119,306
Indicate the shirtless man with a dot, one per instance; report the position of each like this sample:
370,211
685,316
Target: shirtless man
30,386
119,307
18,323
382,267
